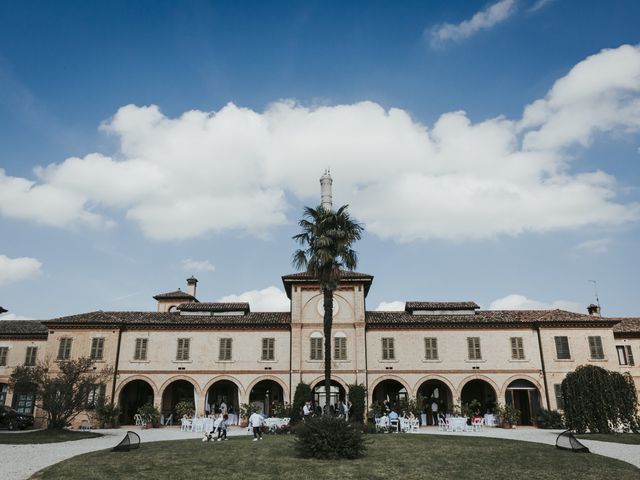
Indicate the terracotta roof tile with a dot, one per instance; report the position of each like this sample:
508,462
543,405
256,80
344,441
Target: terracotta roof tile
628,327
411,306
214,307
177,294
22,328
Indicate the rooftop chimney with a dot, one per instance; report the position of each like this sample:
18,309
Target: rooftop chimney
192,282
326,197
594,310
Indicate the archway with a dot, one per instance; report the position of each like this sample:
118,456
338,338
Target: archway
176,392
223,393
434,390
392,391
4,391
134,395
479,391
524,395
264,394
337,394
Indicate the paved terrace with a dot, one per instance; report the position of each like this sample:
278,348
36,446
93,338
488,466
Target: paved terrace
21,461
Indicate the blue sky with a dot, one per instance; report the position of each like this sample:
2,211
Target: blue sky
490,148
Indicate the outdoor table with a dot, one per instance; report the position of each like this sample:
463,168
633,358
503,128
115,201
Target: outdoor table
490,420
459,423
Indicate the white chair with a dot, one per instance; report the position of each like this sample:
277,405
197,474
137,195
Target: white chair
186,425
138,420
442,424
168,420
394,425
85,425
414,426
476,424
382,424
405,425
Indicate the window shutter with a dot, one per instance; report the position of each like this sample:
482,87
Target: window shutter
630,360
3,356
514,348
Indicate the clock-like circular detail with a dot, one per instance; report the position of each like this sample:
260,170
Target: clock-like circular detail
336,307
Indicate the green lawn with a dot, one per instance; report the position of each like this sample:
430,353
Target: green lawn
405,457
628,438
44,436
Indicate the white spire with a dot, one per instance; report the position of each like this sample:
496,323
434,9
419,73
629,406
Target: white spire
326,198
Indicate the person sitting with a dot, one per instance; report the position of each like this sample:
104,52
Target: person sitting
476,416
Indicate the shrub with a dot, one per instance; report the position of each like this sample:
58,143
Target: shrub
329,438
149,413
281,410
549,419
600,401
246,409
107,414
184,408
357,397
508,413
300,397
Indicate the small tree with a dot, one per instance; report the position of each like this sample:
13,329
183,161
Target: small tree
184,408
357,397
62,395
300,397
600,401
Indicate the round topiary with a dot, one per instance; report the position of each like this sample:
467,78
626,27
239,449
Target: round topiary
329,438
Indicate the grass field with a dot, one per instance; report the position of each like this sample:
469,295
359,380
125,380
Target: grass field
44,436
627,438
405,457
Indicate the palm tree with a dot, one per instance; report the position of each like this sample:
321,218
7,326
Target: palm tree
326,240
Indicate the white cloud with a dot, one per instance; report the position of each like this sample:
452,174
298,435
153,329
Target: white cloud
393,306
520,302
13,316
540,4
204,173
595,246
191,265
482,20
18,269
270,299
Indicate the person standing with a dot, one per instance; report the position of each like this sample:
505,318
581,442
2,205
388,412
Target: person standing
434,412
256,420
306,410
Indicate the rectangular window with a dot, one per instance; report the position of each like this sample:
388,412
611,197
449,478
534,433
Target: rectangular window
388,350
316,348
64,349
140,352
4,353
183,349
94,394
97,346
473,347
559,399
562,348
595,348
340,348
268,348
517,348
431,349
30,358
625,355
225,349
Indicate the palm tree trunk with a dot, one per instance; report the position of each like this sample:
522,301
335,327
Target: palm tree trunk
328,324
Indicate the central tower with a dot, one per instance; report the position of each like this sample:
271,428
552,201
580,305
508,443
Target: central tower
326,198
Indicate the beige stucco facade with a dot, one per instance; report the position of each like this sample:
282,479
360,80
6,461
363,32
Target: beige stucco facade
242,374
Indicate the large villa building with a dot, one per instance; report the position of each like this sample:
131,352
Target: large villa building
207,353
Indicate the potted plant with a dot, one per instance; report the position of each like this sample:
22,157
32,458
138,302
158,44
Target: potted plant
246,409
184,408
150,415
509,414
107,415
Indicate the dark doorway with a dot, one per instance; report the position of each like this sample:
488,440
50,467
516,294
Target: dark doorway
134,395
524,396
264,394
480,391
176,392
222,392
336,391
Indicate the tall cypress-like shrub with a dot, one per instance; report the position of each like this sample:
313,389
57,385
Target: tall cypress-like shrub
600,401
357,397
300,397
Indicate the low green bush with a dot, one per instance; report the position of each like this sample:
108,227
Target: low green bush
329,438
549,419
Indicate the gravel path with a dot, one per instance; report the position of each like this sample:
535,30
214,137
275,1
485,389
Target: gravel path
21,461
626,453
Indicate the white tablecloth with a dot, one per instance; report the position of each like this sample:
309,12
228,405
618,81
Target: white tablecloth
458,423
490,420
